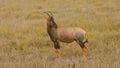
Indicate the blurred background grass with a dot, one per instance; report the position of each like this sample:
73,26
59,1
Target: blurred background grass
24,42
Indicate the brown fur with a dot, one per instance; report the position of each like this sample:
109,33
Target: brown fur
65,34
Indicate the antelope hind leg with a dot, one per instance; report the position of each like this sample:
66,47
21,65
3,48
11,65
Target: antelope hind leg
84,50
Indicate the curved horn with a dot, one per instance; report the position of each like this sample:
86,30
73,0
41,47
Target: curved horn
47,14
50,13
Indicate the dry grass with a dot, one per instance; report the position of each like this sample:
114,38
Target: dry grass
24,42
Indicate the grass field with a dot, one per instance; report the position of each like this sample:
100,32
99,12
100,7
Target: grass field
24,42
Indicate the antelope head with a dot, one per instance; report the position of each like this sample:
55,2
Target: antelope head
50,20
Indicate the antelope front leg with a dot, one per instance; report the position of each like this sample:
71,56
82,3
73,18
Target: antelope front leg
57,48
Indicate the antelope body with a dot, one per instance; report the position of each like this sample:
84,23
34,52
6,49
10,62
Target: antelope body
65,34
70,34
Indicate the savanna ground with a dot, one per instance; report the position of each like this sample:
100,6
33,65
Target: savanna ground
24,42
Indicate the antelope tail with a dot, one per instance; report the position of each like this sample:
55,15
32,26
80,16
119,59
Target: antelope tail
86,41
